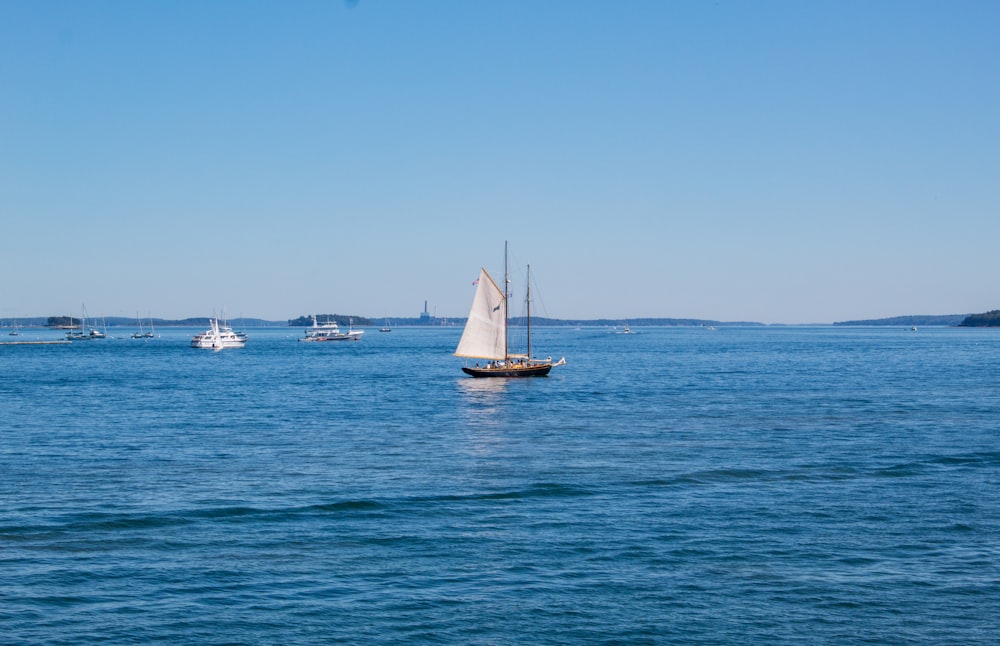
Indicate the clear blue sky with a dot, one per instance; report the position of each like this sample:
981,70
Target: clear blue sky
770,161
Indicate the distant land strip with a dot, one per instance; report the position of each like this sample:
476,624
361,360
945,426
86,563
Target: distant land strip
916,319
986,319
63,322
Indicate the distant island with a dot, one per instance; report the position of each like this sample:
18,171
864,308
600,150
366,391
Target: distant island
64,322
986,319
910,321
67,322
342,319
653,322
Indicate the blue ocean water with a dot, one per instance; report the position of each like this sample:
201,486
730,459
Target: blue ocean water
677,485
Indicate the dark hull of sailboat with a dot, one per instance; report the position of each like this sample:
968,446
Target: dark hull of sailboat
534,370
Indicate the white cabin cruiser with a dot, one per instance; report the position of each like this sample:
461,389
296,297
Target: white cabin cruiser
330,331
218,337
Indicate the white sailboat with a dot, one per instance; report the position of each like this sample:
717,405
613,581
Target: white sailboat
143,334
83,334
487,330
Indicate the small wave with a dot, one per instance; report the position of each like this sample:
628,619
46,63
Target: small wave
125,521
716,476
900,470
986,458
710,476
347,505
961,527
227,512
535,491
92,523
103,522
284,513
919,467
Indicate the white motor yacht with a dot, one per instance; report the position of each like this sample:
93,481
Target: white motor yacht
330,331
218,337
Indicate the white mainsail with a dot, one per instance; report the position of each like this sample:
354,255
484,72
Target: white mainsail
485,335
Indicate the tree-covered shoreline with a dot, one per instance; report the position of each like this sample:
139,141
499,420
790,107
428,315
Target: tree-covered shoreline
915,319
986,319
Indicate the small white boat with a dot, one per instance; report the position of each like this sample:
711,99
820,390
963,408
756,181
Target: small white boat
386,328
219,337
330,331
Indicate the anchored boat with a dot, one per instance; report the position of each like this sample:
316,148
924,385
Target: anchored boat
330,331
218,337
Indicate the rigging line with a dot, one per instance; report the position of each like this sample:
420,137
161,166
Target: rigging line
518,279
536,297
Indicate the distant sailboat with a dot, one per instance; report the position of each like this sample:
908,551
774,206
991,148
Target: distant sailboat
386,328
487,330
143,334
83,334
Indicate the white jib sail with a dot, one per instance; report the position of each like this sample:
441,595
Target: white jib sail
485,336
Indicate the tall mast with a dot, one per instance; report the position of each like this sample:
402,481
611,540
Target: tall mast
506,305
527,296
